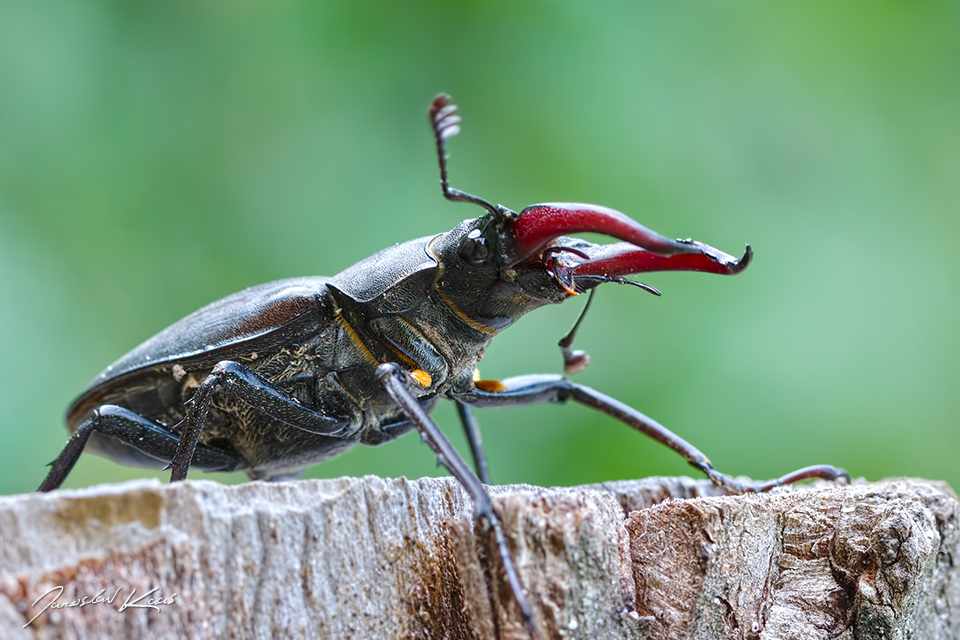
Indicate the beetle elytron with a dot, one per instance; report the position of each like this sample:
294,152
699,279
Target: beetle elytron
287,374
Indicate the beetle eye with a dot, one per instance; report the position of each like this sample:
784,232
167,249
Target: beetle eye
474,249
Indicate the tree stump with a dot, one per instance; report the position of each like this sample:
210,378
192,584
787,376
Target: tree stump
369,557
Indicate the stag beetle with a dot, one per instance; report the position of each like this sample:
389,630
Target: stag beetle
287,374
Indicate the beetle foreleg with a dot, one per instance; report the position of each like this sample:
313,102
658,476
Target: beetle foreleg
393,379
133,430
237,380
536,389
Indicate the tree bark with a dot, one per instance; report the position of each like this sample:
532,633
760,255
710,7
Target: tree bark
375,558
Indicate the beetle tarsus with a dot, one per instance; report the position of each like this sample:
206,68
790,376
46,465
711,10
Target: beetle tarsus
725,482
815,472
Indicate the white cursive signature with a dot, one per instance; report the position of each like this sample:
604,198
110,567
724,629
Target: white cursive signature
128,603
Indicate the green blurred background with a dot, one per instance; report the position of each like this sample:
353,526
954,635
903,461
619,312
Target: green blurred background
155,156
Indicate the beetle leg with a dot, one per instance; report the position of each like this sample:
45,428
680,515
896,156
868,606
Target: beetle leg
393,379
237,380
134,430
536,389
472,432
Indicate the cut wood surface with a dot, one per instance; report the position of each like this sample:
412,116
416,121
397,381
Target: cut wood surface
379,558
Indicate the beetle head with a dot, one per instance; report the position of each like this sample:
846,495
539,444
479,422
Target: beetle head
495,268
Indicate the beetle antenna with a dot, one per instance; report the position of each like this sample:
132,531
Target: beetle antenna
446,124
575,361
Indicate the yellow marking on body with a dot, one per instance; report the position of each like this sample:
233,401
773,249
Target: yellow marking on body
493,386
356,339
393,346
422,377
430,247
479,326
476,374
401,355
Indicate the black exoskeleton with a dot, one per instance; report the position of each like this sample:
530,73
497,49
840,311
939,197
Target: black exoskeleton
284,375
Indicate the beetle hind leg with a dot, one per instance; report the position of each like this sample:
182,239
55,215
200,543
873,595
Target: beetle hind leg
133,430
